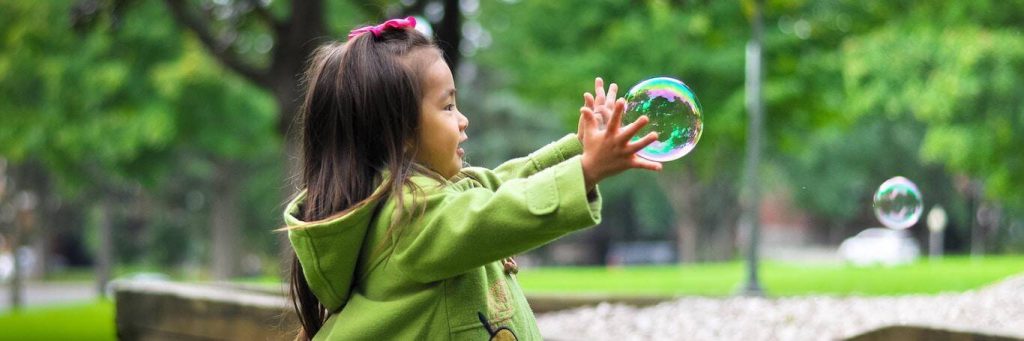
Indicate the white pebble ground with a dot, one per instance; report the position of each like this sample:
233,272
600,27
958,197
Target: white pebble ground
997,309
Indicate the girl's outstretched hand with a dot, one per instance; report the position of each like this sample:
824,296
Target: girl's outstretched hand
606,103
608,151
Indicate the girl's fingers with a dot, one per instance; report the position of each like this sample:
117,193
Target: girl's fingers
588,100
590,123
579,125
612,89
616,121
639,162
599,88
643,142
630,129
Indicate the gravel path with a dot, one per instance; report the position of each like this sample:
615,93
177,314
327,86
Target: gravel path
997,309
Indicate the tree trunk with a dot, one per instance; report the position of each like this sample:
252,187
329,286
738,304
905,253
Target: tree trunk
25,221
682,191
977,235
105,252
225,220
41,244
16,286
722,239
294,44
449,34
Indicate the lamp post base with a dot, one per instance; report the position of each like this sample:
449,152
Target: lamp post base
751,289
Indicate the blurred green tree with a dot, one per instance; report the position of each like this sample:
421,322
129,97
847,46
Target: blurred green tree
120,108
883,89
857,87
80,108
549,52
855,93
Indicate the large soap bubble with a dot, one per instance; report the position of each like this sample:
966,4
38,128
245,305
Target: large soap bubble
898,203
674,113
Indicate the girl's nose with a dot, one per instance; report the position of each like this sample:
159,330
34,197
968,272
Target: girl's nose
463,121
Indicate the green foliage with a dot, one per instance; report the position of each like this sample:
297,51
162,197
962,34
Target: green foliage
216,112
550,52
962,83
118,99
128,101
855,92
79,101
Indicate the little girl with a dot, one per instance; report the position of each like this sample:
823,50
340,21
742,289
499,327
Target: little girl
393,238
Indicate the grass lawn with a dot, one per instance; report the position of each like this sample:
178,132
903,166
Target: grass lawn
95,321
87,321
778,279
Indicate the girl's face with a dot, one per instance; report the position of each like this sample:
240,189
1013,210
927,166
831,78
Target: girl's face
442,126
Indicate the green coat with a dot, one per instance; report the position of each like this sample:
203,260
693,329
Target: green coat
444,267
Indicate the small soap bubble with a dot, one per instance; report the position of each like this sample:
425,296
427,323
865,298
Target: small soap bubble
898,204
674,113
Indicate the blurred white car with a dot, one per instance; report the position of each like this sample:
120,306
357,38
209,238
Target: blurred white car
879,245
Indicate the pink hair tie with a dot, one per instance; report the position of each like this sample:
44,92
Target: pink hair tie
408,22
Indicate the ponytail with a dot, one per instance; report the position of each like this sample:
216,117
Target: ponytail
312,314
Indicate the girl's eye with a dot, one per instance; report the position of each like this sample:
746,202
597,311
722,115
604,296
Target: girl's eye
449,107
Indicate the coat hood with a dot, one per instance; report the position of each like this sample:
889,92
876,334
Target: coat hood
328,250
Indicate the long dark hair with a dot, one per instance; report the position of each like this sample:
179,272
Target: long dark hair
359,119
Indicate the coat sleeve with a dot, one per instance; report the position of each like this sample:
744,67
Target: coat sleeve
460,231
547,156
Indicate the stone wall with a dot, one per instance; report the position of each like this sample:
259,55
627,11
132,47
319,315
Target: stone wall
179,311
160,310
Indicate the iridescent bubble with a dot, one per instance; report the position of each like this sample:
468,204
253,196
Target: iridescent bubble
674,113
898,203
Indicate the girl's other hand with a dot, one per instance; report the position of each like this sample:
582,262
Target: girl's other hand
608,151
606,103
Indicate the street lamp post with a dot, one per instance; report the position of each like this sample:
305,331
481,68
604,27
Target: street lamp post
750,198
